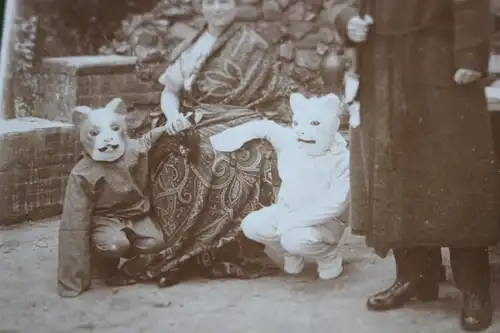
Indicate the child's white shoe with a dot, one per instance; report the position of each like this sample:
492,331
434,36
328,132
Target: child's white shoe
293,264
330,269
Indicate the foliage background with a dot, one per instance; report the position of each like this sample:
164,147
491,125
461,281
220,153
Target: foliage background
75,27
48,28
52,28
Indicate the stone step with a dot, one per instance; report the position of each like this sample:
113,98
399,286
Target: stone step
92,81
37,157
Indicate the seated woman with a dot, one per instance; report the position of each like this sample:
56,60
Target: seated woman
226,75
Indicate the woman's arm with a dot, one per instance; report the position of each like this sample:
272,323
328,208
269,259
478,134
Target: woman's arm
170,104
173,82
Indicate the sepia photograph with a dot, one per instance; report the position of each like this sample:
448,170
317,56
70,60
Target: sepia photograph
190,166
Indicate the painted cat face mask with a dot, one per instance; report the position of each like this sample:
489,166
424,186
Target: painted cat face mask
316,121
103,131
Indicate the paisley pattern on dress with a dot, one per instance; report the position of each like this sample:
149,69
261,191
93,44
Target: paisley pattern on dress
200,204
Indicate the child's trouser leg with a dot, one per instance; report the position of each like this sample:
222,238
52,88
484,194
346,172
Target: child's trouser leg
145,236
319,243
116,238
260,226
110,243
108,238
119,238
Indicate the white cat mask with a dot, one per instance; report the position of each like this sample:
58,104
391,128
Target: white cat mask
316,121
102,131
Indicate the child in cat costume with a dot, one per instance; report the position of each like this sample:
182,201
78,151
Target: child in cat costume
306,222
106,205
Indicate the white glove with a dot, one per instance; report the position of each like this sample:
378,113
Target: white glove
357,28
466,76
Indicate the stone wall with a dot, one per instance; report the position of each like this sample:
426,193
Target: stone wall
38,154
94,81
300,31
37,157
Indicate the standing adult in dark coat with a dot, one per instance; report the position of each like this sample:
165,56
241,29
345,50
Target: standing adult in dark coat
423,169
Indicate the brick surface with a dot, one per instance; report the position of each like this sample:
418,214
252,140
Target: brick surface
92,81
37,156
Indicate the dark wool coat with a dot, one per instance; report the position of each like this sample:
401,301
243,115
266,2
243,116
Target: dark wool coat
423,167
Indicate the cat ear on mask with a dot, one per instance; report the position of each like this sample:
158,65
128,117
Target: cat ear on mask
118,106
297,101
331,101
80,114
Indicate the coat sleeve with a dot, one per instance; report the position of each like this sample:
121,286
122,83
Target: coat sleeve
74,266
473,31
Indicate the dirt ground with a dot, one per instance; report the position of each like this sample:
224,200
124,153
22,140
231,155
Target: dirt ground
29,303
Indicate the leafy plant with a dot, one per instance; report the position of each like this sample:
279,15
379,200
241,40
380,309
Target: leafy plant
24,77
80,27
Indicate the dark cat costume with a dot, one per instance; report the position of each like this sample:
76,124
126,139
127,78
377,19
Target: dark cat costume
106,207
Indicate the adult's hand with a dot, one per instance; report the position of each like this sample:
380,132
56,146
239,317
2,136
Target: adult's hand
466,76
176,123
357,28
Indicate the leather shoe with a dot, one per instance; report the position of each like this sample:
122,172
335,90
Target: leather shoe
401,292
477,312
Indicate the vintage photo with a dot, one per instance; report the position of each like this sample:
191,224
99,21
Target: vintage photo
250,165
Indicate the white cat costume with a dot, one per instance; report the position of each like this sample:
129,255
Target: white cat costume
313,164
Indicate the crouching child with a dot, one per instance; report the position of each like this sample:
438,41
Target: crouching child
106,206
306,222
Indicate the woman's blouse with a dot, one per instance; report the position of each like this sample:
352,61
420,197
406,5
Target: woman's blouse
181,73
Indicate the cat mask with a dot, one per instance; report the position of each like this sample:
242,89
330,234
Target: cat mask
316,121
103,130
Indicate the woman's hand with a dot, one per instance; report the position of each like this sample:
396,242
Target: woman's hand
466,76
357,28
176,123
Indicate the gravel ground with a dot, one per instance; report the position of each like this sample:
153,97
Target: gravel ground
29,303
